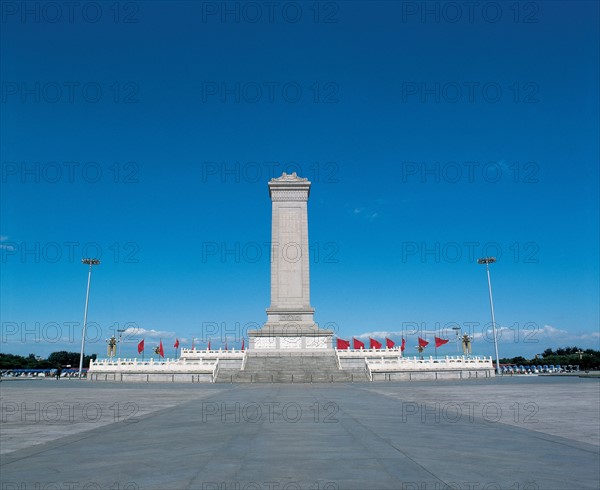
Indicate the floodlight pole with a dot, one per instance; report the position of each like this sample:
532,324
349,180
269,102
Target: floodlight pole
487,261
90,262
457,330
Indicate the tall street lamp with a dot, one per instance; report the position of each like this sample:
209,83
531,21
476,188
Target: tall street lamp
90,262
487,261
456,329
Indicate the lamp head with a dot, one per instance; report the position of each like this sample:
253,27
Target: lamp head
89,261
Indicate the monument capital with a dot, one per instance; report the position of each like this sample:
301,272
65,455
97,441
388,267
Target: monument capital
289,187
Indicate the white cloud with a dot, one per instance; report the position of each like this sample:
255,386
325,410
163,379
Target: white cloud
5,246
399,333
366,213
518,334
151,333
380,333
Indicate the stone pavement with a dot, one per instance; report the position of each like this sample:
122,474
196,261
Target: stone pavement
521,433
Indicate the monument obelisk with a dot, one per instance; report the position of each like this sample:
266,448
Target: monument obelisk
290,323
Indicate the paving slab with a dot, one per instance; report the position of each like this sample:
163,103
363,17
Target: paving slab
412,436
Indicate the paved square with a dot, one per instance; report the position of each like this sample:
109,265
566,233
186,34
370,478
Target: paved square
509,433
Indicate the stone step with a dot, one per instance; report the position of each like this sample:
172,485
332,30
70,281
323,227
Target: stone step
291,369
242,377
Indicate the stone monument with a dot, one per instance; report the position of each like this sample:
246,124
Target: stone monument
290,323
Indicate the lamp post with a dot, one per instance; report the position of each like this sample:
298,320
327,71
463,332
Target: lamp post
457,331
119,340
420,348
90,262
487,261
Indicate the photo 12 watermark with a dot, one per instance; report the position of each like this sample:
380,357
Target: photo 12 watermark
69,92
268,485
268,12
220,332
255,252
469,485
469,12
472,172
70,172
326,172
269,412
455,412
270,92
68,252
470,92
469,251
70,485
69,12
67,412
53,332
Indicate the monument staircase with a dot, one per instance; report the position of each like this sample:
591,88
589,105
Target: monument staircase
288,367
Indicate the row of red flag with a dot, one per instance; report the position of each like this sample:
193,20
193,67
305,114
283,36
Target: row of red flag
161,351
389,343
341,344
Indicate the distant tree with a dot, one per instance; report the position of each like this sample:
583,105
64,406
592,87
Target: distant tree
11,361
548,352
64,358
61,358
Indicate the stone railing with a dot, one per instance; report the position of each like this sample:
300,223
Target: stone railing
428,364
152,366
290,353
370,353
195,354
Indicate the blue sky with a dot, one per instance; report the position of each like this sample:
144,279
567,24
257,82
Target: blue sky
147,133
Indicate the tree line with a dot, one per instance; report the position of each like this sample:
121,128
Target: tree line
55,360
587,359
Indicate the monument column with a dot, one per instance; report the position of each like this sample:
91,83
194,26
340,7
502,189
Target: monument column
290,322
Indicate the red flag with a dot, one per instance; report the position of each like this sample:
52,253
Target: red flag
357,344
176,344
141,346
161,351
423,343
389,343
439,342
243,343
193,345
374,344
343,344
208,348
403,346
226,344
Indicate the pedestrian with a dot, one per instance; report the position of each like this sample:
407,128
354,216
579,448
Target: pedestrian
58,372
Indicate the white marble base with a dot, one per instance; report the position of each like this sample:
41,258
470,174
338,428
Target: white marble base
287,343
